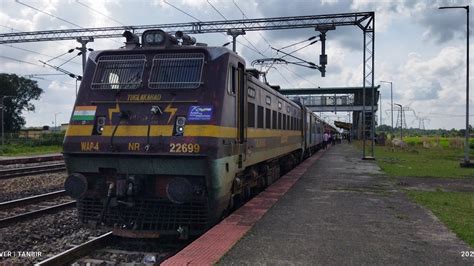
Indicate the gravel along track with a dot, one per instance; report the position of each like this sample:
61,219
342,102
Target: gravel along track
32,170
10,215
43,237
25,186
134,251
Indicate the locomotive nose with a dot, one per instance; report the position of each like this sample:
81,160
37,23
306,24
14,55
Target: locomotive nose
75,185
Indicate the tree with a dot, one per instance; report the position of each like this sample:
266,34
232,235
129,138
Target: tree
23,91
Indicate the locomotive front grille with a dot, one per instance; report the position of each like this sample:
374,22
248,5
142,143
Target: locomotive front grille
147,214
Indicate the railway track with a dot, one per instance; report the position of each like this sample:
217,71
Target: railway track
32,211
34,159
75,253
106,248
30,170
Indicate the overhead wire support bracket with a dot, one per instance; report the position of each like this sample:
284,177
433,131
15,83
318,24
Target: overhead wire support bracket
72,75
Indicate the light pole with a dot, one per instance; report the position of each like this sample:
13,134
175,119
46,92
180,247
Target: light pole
391,99
55,114
401,121
380,109
467,162
3,114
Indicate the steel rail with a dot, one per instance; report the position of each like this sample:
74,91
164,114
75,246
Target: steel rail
36,159
39,169
29,200
75,253
32,214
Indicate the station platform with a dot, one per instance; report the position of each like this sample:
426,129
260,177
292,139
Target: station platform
337,210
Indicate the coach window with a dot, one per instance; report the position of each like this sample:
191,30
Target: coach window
260,116
251,114
252,93
268,120
279,120
268,100
274,120
284,122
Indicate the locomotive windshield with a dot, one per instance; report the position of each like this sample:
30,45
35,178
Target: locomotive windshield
119,72
176,70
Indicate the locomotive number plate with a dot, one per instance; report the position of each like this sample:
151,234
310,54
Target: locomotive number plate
89,146
185,147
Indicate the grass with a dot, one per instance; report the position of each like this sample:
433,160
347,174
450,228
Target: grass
45,143
454,209
442,142
416,161
23,149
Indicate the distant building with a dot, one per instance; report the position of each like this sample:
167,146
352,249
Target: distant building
64,127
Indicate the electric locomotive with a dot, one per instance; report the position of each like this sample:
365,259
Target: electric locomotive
168,134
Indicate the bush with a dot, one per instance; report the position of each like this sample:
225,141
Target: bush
49,139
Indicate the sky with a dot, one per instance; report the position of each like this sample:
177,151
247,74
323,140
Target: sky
418,47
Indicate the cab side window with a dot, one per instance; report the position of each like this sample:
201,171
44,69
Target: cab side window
232,80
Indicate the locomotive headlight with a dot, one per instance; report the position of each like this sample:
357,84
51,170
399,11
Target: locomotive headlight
76,185
179,190
159,37
150,38
179,125
154,37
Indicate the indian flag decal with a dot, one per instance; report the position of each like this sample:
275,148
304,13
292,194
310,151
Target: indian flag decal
84,113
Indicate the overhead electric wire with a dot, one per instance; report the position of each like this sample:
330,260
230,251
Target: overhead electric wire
311,64
269,44
31,51
209,2
62,82
250,48
182,11
67,61
34,64
20,61
10,28
98,12
191,16
249,42
309,39
245,16
49,14
56,57
287,81
296,50
299,76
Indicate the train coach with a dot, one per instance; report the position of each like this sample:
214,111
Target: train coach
168,135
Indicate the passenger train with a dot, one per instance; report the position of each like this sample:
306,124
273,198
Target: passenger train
168,135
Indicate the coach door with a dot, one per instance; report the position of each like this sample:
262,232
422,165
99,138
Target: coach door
241,104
